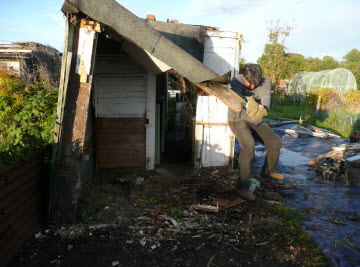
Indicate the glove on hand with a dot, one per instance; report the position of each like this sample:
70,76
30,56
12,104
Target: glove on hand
252,107
260,114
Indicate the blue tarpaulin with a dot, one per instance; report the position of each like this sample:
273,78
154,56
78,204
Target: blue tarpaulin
332,208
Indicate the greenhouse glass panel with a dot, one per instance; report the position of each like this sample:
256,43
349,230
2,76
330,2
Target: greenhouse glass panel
340,80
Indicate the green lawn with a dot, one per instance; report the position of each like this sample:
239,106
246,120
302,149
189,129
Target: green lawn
339,121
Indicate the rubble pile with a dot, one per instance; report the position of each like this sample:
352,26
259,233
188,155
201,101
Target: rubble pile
190,217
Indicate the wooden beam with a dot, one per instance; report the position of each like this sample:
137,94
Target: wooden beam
212,123
226,95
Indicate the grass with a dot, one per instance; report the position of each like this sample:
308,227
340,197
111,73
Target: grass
290,227
291,111
339,121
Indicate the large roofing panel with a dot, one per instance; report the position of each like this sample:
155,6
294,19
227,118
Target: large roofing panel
137,31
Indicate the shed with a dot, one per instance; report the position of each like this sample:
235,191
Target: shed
31,61
113,93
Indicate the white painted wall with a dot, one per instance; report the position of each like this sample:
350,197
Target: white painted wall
214,144
151,126
222,52
214,138
121,96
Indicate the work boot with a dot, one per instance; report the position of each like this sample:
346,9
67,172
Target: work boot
274,175
246,194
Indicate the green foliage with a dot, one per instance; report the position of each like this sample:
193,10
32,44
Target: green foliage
95,204
295,64
329,63
242,65
290,110
339,121
352,63
27,117
274,60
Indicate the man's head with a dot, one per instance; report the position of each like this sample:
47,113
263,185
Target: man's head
252,74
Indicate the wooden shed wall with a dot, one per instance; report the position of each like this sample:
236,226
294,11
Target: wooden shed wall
120,108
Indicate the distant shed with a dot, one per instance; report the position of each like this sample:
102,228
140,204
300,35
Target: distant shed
31,61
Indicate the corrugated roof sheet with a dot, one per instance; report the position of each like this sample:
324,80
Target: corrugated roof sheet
136,30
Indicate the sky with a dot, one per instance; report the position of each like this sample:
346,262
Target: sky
321,28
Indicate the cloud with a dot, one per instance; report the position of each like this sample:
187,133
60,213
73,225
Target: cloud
57,17
227,8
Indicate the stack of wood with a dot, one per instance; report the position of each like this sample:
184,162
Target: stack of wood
301,131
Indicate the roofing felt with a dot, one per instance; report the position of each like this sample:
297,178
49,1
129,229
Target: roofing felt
137,31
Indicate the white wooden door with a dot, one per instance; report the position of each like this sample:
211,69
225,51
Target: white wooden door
214,141
120,96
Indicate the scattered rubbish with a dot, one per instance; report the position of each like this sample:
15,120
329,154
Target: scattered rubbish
220,201
139,181
143,242
168,218
115,263
293,131
355,137
254,184
231,204
39,235
70,247
275,124
208,208
267,184
107,207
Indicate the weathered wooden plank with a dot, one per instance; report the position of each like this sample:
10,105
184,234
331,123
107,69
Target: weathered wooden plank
121,131
212,123
113,155
105,139
122,146
226,95
283,123
117,164
120,123
321,135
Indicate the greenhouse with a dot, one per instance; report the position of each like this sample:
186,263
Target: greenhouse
340,80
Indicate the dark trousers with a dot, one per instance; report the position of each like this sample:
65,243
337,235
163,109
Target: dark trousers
246,133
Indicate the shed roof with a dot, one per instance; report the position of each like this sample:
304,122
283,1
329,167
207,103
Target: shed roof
125,23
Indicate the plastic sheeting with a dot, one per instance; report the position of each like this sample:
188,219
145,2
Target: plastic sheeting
332,208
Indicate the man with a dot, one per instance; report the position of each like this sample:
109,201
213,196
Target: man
247,126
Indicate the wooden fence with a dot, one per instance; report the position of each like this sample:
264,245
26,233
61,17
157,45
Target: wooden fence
23,203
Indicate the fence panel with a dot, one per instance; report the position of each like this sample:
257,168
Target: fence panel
23,203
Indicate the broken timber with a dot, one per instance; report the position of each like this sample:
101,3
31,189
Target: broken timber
291,131
274,124
226,95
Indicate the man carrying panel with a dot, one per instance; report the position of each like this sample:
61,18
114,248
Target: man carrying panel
247,125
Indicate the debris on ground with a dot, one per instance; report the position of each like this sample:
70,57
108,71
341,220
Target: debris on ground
172,222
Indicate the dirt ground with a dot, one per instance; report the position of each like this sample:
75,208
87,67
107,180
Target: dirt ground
152,219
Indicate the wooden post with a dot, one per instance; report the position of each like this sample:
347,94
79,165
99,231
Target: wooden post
318,105
72,166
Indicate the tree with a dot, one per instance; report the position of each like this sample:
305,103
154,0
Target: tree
295,64
242,64
313,64
352,63
329,63
353,56
273,60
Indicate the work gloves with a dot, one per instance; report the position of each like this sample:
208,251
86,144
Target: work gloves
254,110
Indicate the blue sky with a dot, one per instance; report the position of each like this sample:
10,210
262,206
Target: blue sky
320,27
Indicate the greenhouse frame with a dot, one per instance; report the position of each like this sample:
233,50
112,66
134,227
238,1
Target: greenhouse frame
340,80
